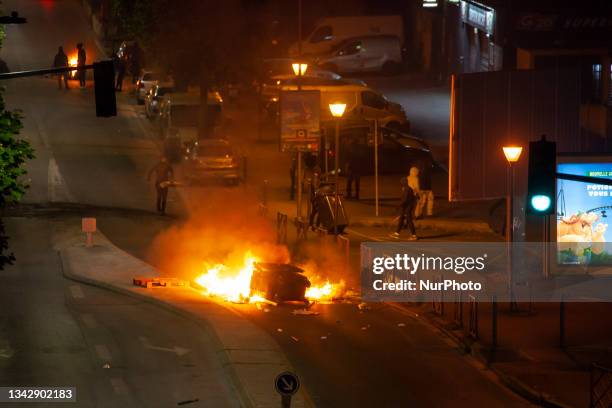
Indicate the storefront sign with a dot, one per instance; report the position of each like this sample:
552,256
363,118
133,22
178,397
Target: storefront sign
478,16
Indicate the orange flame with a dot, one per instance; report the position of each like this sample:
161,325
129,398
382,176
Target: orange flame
73,63
233,284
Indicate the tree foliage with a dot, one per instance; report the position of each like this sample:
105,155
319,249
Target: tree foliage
14,152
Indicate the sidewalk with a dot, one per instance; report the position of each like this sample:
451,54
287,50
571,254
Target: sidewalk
251,358
528,358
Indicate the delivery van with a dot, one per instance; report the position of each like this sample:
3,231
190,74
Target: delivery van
331,31
362,103
364,54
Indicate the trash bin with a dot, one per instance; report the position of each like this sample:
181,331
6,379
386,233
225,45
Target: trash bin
326,203
279,282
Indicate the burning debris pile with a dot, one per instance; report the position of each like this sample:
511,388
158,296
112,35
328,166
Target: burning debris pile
230,251
256,281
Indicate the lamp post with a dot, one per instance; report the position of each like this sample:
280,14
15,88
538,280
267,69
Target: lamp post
299,69
512,153
337,110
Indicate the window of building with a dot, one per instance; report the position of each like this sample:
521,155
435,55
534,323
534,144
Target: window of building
596,83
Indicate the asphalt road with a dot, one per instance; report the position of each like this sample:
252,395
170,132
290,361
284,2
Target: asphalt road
115,350
365,360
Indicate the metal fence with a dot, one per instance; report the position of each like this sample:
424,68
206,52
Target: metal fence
601,387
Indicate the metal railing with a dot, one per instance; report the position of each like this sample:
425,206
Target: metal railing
281,228
600,387
473,322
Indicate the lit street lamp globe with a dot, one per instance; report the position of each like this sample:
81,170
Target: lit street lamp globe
337,109
512,153
299,68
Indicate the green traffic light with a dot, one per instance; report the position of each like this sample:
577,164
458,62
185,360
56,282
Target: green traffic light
540,202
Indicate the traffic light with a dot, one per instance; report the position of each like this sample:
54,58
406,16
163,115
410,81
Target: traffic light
104,85
542,176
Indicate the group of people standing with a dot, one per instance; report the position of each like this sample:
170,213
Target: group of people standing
61,60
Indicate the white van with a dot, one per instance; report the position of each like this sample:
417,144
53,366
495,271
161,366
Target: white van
331,31
364,54
362,103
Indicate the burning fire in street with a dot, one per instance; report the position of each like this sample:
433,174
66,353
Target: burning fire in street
234,283
73,63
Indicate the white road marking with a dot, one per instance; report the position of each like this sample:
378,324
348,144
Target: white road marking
119,386
76,292
57,190
179,351
89,321
103,352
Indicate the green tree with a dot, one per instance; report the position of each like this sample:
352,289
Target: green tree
14,152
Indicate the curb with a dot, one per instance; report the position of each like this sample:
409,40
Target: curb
445,224
221,351
474,349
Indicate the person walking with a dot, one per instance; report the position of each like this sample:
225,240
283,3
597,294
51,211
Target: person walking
61,60
414,182
353,170
407,204
81,59
120,69
425,202
164,173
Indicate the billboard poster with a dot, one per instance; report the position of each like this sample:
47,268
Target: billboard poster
582,214
300,114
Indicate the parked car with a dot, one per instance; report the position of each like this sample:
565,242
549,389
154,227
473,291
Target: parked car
153,98
331,31
364,54
397,151
211,159
145,82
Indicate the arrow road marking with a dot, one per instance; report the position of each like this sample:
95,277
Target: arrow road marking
179,351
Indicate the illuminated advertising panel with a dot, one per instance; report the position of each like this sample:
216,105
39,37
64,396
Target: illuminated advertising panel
582,215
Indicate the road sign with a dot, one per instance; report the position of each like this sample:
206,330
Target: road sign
287,384
300,113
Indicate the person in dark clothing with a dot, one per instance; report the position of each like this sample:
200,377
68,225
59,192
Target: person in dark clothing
407,204
120,69
353,170
135,61
164,173
61,60
81,59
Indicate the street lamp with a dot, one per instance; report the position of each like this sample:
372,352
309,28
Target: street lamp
337,110
299,69
512,153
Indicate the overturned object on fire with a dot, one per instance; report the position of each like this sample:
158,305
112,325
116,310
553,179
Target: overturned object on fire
279,282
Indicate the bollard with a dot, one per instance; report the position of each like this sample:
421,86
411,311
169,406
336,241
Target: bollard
473,327
88,226
458,312
493,328
562,323
344,244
